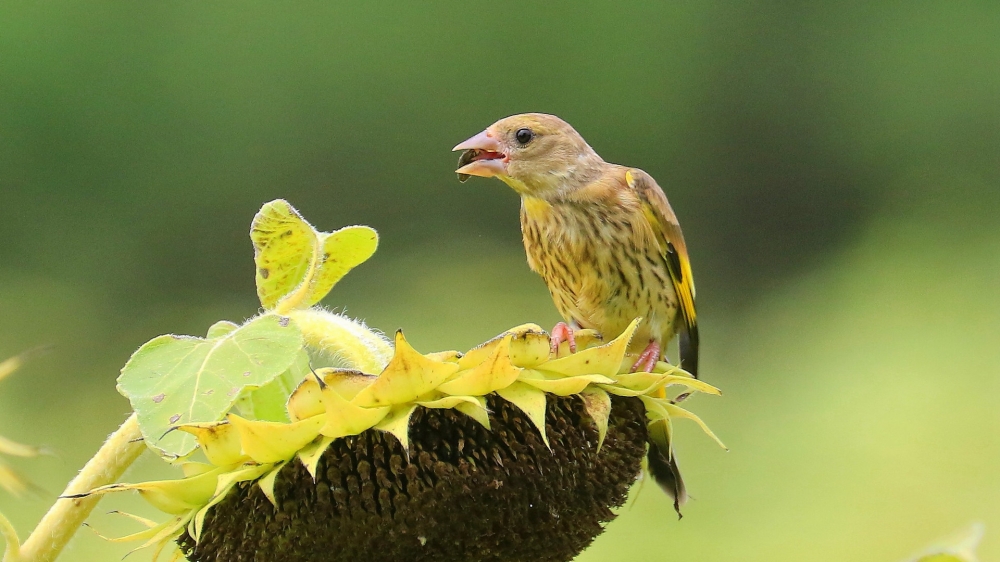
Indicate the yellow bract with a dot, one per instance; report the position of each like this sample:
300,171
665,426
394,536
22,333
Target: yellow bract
602,360
407,376
265,441
598,405
219,441
528,347
496,371
398,424
561,385
531,401
345,417
174,496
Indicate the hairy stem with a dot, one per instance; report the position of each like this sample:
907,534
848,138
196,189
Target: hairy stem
58,526
348,340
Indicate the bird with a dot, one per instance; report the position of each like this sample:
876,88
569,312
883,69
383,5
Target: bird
606,242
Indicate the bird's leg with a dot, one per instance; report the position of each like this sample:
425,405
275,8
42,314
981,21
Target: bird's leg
647,359
562,333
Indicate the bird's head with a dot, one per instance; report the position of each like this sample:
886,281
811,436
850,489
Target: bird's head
534,153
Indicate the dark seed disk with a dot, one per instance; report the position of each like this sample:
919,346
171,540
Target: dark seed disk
465,495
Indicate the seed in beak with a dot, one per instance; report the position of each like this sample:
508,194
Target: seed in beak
473,154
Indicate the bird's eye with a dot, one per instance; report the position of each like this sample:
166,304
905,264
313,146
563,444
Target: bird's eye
524,136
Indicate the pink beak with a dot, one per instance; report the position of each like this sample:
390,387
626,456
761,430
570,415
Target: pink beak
482,157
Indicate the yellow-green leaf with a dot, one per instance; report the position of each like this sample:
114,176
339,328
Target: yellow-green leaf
221,328
175,380
298,265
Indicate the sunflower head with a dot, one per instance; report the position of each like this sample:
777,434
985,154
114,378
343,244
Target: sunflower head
461,492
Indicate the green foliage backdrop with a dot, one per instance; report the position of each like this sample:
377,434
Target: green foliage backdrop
834,166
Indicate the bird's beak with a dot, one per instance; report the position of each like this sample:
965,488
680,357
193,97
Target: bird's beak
482,157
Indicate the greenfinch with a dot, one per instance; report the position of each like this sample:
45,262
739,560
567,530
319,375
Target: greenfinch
605,240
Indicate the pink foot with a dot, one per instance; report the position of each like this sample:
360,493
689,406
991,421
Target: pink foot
647,359
562,333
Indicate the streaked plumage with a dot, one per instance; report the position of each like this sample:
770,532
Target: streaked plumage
604,239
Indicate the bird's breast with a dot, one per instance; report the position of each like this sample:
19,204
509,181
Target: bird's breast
601,268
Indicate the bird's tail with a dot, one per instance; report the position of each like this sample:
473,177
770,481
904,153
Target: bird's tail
662,464
688,343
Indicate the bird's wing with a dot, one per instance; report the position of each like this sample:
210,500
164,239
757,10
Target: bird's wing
667,232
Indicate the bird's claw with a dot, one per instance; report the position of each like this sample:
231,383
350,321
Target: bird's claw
562,333
647,359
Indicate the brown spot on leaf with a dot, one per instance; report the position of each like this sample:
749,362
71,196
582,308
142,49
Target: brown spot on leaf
264,272
246,374
159,398
209,392
283,322
174,418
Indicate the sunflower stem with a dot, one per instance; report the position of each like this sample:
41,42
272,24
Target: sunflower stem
350,341
61,522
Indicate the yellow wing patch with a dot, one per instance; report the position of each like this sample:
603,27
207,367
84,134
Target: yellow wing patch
663,223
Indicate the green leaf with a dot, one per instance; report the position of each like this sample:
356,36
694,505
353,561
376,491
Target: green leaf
298,265
221,328
173,380
268,402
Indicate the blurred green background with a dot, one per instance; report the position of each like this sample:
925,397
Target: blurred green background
836,167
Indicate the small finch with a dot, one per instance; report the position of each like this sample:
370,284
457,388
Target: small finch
606,242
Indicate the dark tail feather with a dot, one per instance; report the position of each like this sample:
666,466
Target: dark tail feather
663,467
688,343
